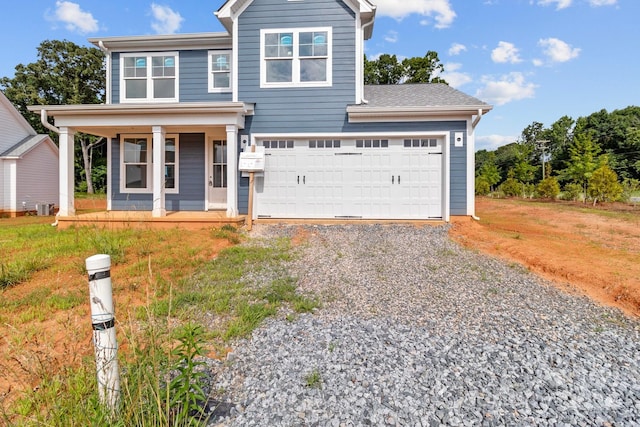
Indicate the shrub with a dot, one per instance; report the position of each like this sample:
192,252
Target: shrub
511,187
604,185
548,188
573,192
482,186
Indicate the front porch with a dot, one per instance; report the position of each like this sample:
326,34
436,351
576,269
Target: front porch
145,219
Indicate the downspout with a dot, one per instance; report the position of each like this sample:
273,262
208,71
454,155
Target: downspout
107,85
52,128
477,119
368,24
45,122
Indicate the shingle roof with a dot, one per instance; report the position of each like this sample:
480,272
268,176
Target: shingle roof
419,95
24,146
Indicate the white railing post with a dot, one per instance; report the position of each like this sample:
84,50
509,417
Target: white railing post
104,331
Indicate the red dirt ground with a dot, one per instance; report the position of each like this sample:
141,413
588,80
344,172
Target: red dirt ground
594,251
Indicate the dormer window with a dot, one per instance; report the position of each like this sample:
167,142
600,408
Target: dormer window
219,71
147,77
298,57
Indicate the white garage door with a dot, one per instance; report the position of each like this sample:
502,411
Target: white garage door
364,178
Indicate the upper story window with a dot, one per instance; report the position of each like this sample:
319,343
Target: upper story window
219,71
298,57
149,77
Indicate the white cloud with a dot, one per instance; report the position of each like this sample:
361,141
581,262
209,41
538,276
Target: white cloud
597,3
166,21
457,49
538,62
561,4
391,37
557,50
492,142
74,18
440,10
506,52
510,87
454,76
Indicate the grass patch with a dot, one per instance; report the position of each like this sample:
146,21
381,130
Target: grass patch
313,379
162,341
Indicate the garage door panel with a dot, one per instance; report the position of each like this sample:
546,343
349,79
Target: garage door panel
392,181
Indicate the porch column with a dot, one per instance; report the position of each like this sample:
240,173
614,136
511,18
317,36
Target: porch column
67,181
232,171
159,209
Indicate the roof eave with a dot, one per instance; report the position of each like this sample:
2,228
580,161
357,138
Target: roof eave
425,110
165,41
115,109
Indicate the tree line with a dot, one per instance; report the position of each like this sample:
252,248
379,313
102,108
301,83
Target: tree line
595,158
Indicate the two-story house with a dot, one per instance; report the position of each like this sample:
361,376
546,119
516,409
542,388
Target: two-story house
287,77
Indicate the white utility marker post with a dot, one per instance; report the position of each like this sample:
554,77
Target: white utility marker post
104,331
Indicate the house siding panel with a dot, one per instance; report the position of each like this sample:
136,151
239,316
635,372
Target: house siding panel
115,78
194,78
11,132
314,109
37,177
458,172
125,201
191,179
3,190
191,175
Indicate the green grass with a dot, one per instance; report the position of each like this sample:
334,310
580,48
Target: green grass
161,338
313,379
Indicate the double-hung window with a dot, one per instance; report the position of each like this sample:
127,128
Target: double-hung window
148,77
298,57
219,71
136,164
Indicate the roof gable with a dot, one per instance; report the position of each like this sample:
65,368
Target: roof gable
13,126
18,118
231,9
23,147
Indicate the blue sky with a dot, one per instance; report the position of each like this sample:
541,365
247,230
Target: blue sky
534,60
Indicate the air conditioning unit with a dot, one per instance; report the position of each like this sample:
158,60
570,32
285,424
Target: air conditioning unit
45,209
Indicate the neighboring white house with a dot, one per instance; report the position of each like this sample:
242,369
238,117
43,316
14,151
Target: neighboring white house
28,164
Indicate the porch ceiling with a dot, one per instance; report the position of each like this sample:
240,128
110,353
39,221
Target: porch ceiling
110,120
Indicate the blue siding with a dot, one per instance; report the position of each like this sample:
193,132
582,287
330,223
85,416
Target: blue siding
194,78
191,175
314,109
115,78
125,201
191,171
458,173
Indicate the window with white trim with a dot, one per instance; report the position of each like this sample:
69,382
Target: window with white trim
171,164
147,77
136,164
298,57
220,71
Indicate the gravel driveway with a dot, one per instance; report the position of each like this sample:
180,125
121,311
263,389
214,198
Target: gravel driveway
417,331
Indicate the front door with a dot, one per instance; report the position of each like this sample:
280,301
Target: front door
218,174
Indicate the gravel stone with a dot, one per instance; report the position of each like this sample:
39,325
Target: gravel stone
416,331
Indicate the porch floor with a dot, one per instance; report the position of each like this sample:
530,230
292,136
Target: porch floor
143,219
